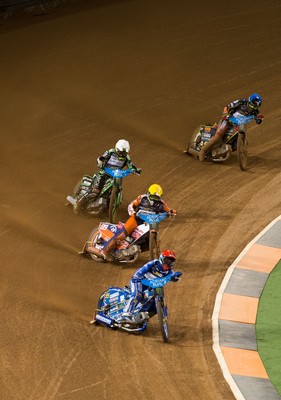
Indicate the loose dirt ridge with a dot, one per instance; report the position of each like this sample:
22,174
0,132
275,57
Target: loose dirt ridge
72,83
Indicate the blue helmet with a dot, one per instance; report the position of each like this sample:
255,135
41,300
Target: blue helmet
255,101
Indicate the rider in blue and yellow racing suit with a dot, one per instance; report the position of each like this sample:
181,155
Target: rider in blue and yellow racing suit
157,268
245,107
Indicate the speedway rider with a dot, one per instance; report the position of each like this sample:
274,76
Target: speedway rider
245,107
157,268
116,158
151,201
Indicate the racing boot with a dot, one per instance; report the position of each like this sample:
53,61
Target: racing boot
74,202
129,308
76,207
113,244
208,146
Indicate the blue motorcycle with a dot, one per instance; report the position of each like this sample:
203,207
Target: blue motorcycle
233,140
112,302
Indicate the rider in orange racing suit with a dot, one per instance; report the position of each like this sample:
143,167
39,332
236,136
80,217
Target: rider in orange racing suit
151,201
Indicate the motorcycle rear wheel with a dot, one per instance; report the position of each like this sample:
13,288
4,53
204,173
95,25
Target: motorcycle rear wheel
154,247
242,151
99,305
92,237
93,211
76,188
162,319
189,149
113,205
87,202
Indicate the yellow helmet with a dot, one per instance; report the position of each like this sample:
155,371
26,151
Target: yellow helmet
155,192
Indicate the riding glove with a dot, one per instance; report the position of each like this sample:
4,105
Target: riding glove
176,276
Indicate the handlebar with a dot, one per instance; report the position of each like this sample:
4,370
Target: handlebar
239,119
151,217
118,173
157,282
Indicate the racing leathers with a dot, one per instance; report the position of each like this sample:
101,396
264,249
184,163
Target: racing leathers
150,270
142,202
241,105
110,159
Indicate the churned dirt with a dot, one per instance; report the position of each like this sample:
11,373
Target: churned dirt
73,82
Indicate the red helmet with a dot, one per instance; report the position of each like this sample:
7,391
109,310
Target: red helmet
167,259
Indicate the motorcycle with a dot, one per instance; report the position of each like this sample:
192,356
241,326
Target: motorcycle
233,140
109,198
144,238
112,302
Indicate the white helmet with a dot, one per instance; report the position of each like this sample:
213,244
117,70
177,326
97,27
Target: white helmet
122,148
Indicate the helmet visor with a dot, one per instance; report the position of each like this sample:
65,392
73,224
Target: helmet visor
121,153
154,197
253,106
168,263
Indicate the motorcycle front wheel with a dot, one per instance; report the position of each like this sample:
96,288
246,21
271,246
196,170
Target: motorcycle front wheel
113,205
154,245
162,319
242,151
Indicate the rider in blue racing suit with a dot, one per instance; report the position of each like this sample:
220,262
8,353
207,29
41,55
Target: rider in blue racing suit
245,107
157,268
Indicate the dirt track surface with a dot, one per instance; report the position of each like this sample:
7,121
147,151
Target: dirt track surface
73,83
